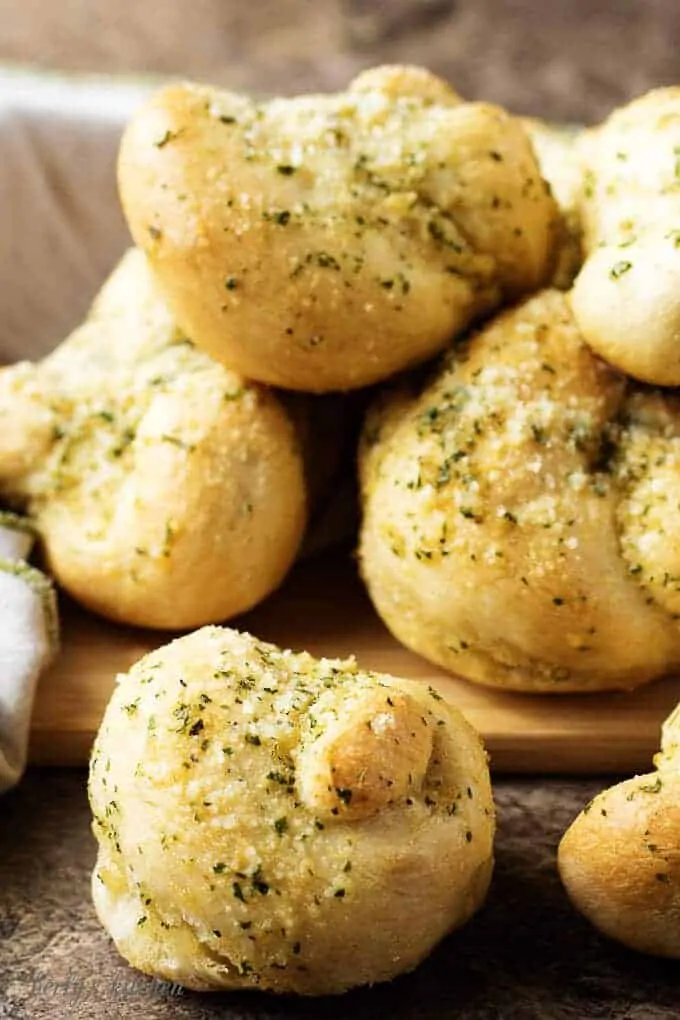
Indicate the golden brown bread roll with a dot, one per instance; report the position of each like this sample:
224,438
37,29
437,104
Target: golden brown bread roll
620,859
167,490
520,515
328,241
627,296
269,820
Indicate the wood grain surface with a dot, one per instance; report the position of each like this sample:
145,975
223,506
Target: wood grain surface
324,609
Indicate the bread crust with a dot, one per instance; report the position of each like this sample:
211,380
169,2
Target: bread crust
325,242
269,820
167,490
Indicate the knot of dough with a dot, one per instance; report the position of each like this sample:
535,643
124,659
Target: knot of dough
627,297
520,512
146,465
325,242
29,639
620,858
221,863
668,759
361,754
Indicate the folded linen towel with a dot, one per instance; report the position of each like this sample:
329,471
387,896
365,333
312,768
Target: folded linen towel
28,641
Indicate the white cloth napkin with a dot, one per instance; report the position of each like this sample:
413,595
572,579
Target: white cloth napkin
62,231
28,641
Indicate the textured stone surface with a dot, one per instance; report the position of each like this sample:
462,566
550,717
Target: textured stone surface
527,955
571,59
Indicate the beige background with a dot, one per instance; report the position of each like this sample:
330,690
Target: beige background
570,59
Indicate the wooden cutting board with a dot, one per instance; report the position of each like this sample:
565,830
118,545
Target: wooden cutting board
324,609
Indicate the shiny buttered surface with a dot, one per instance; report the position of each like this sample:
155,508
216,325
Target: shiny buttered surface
620,859
520,511
167,490
327,241
627,296
269,820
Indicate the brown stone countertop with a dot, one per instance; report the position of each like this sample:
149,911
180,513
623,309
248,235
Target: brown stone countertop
526,956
